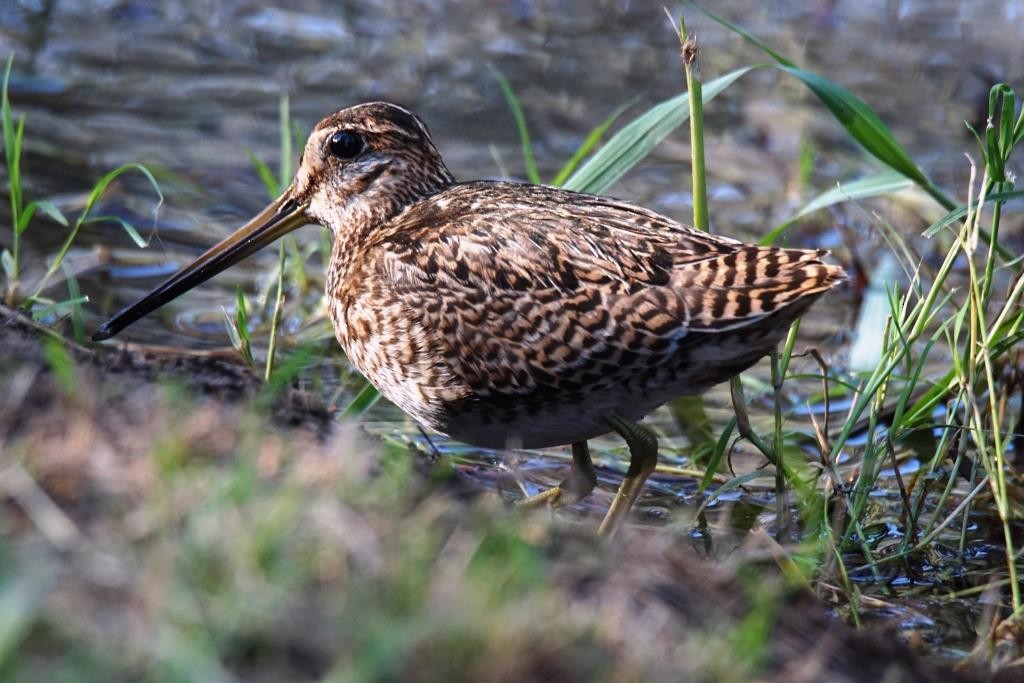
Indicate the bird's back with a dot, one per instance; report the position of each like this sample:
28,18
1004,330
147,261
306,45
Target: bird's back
500,311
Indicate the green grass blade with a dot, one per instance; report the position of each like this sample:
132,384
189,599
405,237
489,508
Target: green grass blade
14,167
94,195
75,296
735,483
5,110
960,212
886,182
12,153
898,421
139,240
12,146
1018,129
25,218
524,134
284,114
362,402
588,145
265,174
58,307
238,329
51,210
637,138
716,455
231,325
285,374
275,316
100,187
861,122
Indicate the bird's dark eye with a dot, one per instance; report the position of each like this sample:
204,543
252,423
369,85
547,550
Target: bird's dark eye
346,144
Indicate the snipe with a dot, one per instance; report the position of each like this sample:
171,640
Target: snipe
503,313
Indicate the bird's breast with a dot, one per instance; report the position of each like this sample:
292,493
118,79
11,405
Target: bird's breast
394,351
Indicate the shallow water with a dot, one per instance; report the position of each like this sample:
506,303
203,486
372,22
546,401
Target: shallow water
192,87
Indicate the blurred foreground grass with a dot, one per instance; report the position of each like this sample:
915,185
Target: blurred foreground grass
170,531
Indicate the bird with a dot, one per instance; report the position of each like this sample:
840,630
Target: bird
503,313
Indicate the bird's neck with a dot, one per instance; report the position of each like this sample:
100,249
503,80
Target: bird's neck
355,223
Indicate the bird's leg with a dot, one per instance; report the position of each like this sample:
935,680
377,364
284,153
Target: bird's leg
643,458
580,482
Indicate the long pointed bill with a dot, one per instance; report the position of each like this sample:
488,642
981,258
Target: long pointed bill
277,220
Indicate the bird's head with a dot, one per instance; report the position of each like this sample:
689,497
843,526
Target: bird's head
360,166
366,163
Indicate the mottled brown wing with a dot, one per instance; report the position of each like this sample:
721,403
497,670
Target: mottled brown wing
528,286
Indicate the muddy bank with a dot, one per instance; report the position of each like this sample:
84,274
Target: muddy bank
129,376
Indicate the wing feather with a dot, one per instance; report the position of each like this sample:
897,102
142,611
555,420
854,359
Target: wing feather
538,287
